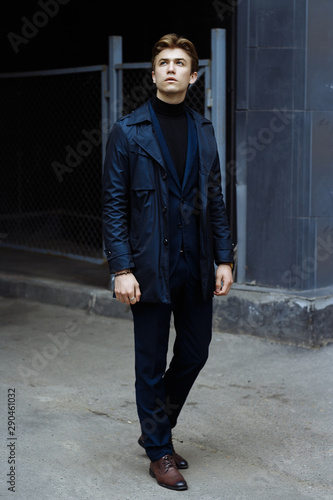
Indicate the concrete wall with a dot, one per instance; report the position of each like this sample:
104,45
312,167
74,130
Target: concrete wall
284,130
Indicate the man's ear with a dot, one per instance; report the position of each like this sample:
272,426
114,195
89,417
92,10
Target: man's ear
153,76
193,77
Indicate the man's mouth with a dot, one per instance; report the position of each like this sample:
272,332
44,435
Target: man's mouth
170,79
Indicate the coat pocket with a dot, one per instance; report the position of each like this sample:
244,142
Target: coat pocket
143,213
142,200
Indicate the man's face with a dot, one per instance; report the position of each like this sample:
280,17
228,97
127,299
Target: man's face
172,75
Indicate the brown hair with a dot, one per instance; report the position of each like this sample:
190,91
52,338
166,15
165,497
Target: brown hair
173,41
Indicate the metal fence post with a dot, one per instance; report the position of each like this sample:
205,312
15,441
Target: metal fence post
105,125
115,96
218,46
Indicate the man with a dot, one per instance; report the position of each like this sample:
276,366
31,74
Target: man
164,224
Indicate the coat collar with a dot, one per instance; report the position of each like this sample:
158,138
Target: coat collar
142,114
145,136
192,143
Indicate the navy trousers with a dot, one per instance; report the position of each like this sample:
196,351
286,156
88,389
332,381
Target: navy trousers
161,392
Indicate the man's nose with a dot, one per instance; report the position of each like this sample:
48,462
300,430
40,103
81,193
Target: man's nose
171,68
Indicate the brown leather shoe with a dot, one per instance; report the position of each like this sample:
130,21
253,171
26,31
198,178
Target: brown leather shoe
166,473
180,461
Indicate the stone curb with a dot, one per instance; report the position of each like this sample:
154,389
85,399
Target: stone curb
280,317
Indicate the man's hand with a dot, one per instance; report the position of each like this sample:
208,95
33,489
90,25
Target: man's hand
127,289
223,273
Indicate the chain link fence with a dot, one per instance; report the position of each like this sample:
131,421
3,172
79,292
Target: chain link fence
50,194
52,154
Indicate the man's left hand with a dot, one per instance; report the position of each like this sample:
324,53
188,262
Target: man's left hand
223,274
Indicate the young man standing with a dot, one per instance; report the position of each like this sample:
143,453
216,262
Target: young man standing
164,225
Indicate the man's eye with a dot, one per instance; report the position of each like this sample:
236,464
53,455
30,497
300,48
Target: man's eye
180,62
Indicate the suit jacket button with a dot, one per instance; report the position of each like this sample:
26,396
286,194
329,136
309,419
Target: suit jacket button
165,241
164,209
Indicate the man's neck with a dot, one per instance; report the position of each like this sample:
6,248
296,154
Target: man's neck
171,98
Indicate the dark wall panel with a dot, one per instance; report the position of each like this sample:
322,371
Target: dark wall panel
322,164
285,61
320,55
269,208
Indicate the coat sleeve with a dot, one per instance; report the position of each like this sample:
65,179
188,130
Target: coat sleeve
222,243
115,201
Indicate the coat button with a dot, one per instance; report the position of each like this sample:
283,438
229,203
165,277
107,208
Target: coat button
179,225
164,209
165,241
164,175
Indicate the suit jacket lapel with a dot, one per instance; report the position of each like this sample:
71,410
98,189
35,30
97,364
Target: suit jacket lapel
192,145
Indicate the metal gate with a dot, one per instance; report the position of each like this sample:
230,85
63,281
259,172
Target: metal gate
54,125
51,158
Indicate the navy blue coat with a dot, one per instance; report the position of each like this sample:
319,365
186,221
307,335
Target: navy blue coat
135,205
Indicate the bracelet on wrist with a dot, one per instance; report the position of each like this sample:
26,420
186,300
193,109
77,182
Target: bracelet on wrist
123,272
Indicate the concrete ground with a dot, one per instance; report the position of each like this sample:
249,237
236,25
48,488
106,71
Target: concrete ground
258,423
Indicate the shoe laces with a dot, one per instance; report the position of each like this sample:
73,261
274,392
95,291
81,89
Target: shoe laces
168,462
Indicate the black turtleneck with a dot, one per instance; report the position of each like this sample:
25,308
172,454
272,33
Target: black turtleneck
173,121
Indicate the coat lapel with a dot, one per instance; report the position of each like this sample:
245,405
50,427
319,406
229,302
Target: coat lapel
164,148
147,140
207,145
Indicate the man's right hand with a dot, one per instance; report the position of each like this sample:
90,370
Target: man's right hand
127,289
